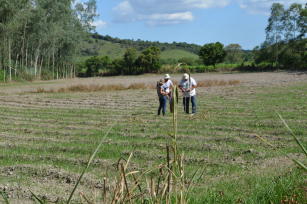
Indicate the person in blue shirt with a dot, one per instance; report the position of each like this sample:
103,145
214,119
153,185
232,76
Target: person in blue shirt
163,95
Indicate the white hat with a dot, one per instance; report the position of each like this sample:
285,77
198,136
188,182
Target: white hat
185,76
167,76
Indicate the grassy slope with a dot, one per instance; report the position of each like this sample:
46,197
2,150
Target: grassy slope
113,50
177,54
61,130
116,50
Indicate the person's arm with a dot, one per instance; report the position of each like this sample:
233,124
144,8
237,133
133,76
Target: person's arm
181,87
194,84
162,92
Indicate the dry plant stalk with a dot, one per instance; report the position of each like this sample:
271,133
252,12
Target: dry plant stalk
167,186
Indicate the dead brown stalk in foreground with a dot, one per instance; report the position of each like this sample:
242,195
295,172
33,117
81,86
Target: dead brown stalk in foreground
164,183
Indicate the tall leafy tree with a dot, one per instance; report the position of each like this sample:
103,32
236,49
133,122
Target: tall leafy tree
130,58
291,22
212,53
274,30
149,60
302,23
234,53
96,64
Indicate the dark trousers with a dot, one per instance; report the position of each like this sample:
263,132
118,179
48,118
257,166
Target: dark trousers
186,103
162,106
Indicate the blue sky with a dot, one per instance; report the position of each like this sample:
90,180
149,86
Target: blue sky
191,21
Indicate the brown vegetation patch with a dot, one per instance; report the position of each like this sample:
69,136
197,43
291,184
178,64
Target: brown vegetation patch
133,86
94,88
209,83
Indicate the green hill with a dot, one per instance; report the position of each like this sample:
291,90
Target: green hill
115,48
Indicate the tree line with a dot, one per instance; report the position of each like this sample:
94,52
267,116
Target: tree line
39,39
140,45
147,61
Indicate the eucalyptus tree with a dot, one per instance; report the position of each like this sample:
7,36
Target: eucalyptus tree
40,36
302,23
274,30
291,22
10,26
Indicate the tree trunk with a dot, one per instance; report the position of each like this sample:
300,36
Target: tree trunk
48,63
74,68
16,64
2,61
53,70
71,71
10,60
26,57
4,74
36,62
23,46
36,58
57,72
40,68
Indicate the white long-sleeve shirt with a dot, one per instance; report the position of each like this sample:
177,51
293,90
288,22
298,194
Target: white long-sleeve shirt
185,84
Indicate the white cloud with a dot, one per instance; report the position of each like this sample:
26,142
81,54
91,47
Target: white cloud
157,12
165,19
99,24
163,12
206,3
263,6
124,12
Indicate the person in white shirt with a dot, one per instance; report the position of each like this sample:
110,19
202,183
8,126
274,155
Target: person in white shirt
168,84
168,87
187,86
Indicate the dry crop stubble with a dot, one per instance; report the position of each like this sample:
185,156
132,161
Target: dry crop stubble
133,86
220,137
